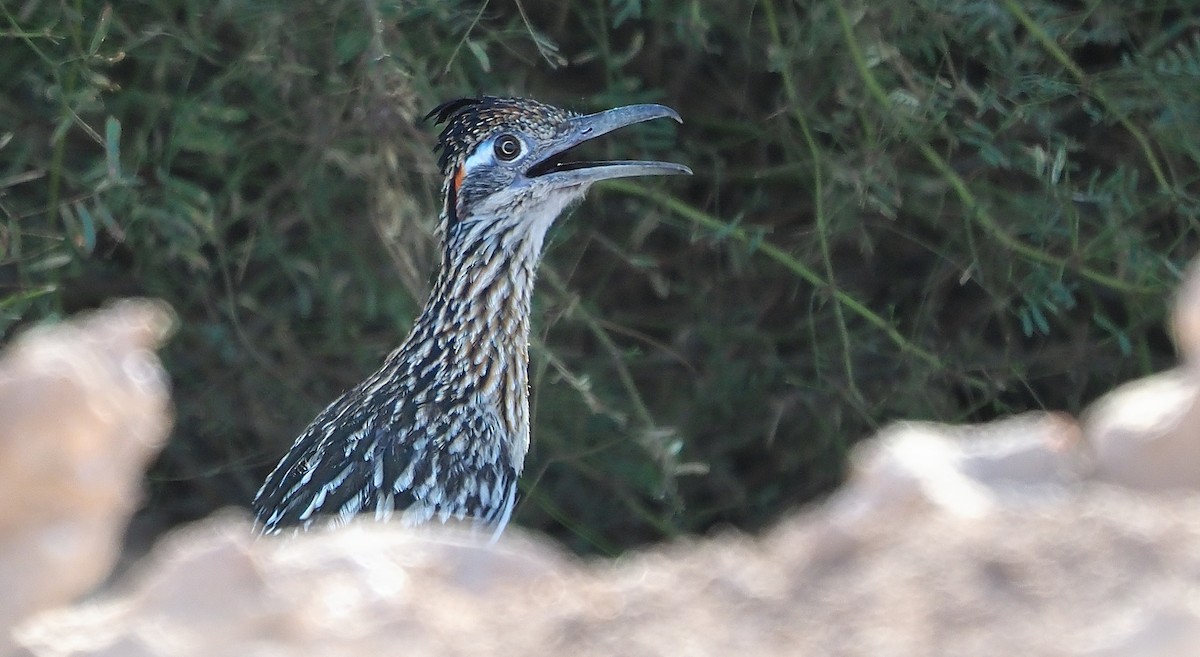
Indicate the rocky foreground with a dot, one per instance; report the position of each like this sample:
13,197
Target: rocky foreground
1035,535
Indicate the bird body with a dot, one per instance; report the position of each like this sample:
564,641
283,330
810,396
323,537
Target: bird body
441,430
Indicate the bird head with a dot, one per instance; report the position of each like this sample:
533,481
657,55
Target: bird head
504,159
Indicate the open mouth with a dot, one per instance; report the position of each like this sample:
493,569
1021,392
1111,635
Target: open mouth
581,129
558,162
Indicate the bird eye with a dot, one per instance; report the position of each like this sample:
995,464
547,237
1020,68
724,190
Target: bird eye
508,148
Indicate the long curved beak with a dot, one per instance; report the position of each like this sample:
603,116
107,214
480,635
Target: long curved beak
551,168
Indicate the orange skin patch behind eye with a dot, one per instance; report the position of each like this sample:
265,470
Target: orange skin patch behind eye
458,177
452,197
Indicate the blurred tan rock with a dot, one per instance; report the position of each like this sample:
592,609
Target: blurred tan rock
964,470
1098,574
1033,535
216,589
84,405
1185,317
978,540
1146,433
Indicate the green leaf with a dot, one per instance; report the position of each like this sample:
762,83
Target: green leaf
52,261
110,224
101,30
351,44
87,225
112,147
1123,342
626,10
24,296
480,55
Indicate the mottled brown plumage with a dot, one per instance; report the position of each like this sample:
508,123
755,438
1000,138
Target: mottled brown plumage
442,429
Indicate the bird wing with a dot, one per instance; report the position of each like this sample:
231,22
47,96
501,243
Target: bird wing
389,460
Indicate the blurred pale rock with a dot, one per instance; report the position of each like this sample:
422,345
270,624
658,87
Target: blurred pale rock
1101,573
964,470
1033,535
947,540
215,589
1146,434
1185,317
84,405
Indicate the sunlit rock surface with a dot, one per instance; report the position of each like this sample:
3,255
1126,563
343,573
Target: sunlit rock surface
84,405
1101,573
1146,433
1033,535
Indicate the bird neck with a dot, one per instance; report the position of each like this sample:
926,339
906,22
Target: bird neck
484,287
474,330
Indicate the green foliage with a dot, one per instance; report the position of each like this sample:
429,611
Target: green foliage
932,209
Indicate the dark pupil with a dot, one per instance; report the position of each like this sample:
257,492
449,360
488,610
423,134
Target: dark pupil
507,148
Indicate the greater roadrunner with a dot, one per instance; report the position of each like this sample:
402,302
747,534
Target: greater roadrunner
441,430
